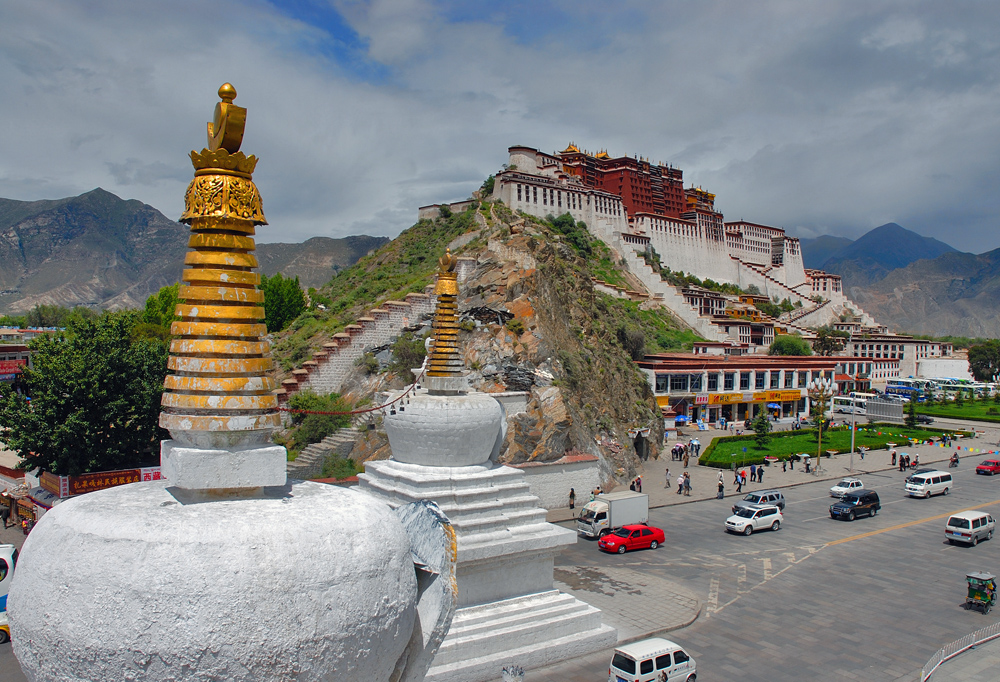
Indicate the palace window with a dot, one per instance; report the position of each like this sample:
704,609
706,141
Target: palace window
678,382
744,381
518,192
535,193
727,384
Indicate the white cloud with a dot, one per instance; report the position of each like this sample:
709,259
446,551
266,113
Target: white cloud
832,116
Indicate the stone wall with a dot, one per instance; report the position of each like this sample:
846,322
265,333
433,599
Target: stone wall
550,481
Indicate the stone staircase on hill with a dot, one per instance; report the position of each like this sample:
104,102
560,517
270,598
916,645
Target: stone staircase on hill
802,312
309,463
329,367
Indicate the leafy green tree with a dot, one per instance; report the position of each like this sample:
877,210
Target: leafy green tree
283,301
762,430
408,352
911,414
161,306
94,398
984,360
312,428
789,344
829,341
487,188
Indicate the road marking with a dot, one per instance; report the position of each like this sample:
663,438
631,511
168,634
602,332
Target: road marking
741,576
713,596
899,526
767,569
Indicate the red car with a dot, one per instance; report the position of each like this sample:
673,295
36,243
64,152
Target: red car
632,537
988,466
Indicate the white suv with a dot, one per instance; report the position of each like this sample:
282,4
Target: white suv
848,485
755,517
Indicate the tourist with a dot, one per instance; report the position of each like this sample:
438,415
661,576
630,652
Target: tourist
740,478
638,483
572,498
680,484
722,489
893,454
902,462
686,460
760,474
784,465
753,473
687,483
667,484
631,486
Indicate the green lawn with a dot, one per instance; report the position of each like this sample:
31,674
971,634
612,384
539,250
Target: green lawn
978,411
725,451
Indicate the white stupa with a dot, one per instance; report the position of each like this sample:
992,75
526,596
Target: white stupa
444,439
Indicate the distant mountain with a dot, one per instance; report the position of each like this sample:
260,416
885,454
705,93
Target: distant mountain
100,250
955,293
315,261
817,251
880,251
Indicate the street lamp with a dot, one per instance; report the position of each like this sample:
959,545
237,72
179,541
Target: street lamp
820,390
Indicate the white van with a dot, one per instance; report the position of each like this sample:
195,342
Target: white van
651,660
928,483
969,527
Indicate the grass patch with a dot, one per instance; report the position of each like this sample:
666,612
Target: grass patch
725,451
977,411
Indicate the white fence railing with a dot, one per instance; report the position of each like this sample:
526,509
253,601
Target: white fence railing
949,651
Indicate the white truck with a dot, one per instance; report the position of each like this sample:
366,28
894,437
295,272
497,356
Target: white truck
610,511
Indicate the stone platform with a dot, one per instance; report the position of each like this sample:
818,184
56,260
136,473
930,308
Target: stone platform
508,611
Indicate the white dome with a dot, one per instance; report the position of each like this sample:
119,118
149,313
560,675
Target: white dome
445,430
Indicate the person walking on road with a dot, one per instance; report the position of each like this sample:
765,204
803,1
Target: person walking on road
638,483
760,474
686,459
753,473
722,490
784,465
680,484
739,482
667,485
892,453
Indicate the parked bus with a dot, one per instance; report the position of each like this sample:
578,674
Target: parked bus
846,405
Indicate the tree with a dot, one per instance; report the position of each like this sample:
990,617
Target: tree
94,399
283,301
984,360
829,341
762,430
161,306
911,414
312,428
789,344
408,352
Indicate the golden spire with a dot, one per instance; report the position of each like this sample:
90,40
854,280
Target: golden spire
444,360
218,393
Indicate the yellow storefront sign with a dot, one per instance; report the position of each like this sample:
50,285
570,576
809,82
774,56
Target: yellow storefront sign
759,397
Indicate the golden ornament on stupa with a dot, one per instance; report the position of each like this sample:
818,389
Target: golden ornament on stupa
218,393
445,360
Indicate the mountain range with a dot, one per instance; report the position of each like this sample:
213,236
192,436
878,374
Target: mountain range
99,250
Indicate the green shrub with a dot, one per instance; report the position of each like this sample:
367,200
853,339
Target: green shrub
339,468
515,326
312,428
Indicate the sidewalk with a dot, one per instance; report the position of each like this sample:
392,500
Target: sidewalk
704,479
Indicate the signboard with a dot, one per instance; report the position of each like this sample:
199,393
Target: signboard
65,486
759,397
12,366
701,399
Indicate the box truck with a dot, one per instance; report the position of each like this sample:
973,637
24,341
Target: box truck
610,511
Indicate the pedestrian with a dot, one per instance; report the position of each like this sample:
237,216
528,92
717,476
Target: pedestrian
893,454
791,463
686,460
784,465
631,486
760,474
739,482
730,429
687,483
572,498
722,490
862,451
668,478
753,473
680,484
638,483
901,462
720,477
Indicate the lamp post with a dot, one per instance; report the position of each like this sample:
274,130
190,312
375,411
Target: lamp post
820,390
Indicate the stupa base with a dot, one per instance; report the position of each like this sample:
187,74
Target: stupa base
193,468
531,631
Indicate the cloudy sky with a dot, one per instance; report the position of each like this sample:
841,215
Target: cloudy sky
830,117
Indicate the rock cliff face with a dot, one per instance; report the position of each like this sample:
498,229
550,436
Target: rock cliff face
560,346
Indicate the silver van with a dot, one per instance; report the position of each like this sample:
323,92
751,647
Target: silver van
928,483
969,527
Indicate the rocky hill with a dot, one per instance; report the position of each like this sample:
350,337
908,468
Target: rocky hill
99,250
954,294
568,345
880,251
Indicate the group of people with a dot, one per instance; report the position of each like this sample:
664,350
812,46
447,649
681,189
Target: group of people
636,484
740,480
684,451
904,461
683,482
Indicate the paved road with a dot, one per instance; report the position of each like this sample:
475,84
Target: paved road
819,599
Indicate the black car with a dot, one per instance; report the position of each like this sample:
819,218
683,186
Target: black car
852,505
924,419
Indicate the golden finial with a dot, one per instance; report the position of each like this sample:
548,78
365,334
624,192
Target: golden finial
445,360
447,261
226,129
